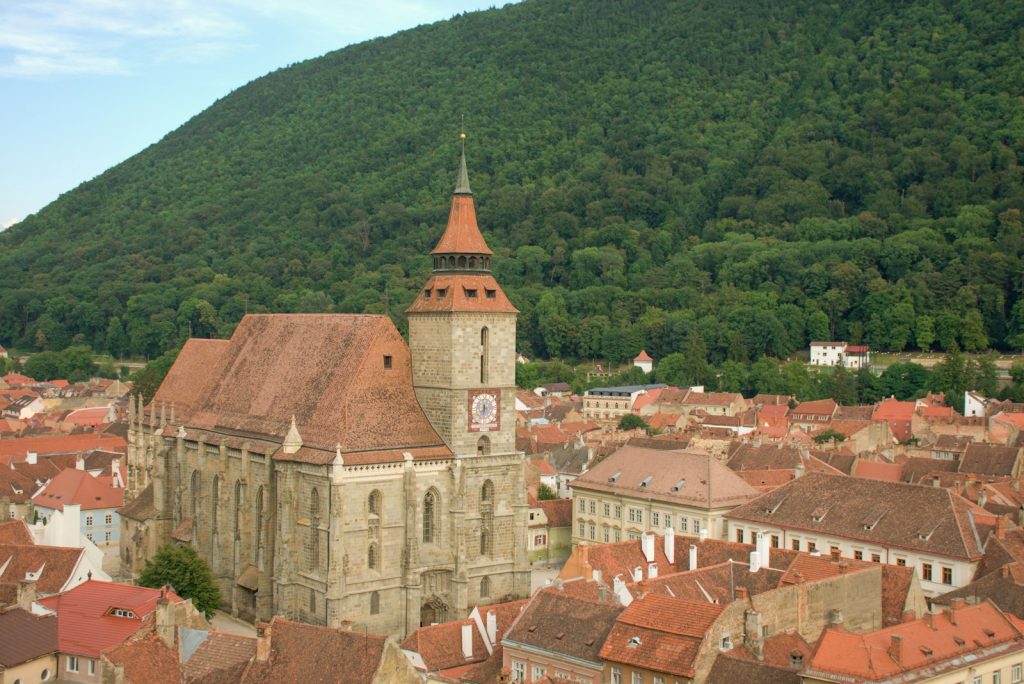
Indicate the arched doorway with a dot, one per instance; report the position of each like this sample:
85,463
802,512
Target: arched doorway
434,610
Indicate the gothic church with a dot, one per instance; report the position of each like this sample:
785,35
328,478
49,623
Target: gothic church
329,472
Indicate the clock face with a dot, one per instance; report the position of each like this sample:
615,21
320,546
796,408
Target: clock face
484,410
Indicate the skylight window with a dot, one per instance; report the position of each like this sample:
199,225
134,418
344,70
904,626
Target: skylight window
646,481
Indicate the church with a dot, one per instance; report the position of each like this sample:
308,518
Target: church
331,473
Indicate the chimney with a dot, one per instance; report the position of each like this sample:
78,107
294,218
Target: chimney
693,557
936,481
1020,515
1000,527
896,647
753,630
31,457
799,470
71,526
670,545
652,570
263,642
835,618
1004,571
26,594
79,462
492,627
647,546
764,548
742,594
843,566
638,574
755,561
467,641
115,471
982,498
835,554
166,630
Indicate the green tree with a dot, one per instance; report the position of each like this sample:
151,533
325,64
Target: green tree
631,421
818,327
147,381
924,333
545,493
189,575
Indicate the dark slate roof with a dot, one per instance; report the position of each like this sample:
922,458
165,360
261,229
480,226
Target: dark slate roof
25,637
560,623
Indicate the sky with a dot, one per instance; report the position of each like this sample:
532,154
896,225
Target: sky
85,84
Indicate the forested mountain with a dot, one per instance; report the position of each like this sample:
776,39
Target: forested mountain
735,178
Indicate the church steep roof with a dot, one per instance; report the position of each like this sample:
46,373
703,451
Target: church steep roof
346,379
462,235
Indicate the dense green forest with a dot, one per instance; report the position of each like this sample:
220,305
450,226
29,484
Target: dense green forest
729,180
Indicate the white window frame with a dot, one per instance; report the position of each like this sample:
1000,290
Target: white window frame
71,664
538,671
518,671
1017,673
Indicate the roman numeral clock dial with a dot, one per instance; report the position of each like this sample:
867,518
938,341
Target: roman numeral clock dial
484,410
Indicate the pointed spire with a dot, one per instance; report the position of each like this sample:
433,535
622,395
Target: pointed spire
462,185
293,440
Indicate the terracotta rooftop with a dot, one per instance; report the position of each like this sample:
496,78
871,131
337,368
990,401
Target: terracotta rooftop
198,360
669,476
643,356
989,459
73,486
558,512
85,625
63,444
925,519
440,646
872,656
878,470
326,371
462,234
25,637
219,651
16,532
146,659
557,622
310,653
56,563
461,292
661,633
821,407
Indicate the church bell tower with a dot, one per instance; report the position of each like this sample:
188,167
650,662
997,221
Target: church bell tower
462,336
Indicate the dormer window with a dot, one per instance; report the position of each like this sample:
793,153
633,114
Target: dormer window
470,293
490,294
121,612
679,485
646,481
387,361
819,513
441,292
426,294
634,641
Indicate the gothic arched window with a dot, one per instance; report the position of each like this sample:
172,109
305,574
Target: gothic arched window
485,587
238,510
483,446
374,603
214,500
430,505
373,503
258,548
371,557
487,492
313,550
195,496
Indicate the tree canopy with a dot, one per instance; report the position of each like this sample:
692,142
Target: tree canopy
182,568
733,179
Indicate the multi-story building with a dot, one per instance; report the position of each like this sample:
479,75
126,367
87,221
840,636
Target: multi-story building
850,356
637,489
922,527
329,472
611,403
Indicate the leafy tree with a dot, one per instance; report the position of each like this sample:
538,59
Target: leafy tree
828,436
182,568
924,333
818,327
631,421
545,493
147,381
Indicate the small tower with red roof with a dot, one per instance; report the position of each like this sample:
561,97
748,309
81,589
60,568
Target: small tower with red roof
643,361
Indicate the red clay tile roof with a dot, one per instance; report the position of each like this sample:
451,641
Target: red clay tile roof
88,416
73,486
719,582
557,622
558,512
878,470
25,637
219,651
309,653
146,659
440,646
325,370
988,459
661,633
462,235
15,486
643,356
16,532
141,507
925,519
689,471
64,444
84,625
766,480
456,288
58,564
925,642
821,407
17,380
198,360
543,467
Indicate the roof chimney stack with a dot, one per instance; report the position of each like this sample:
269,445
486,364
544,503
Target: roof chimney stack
693,557
26,594
896,647
755,561
467,641
492,627
670,545
263,642
647,545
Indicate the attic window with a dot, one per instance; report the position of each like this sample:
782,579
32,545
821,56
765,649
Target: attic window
470,292
426,294
679,485
387,361
926,651
490,294
646,481
531,628
560,635
121,612
819,513
871,520
959,642
796,659
441,292
634,641
989,633
615,476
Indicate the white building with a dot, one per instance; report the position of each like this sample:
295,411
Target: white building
849,356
